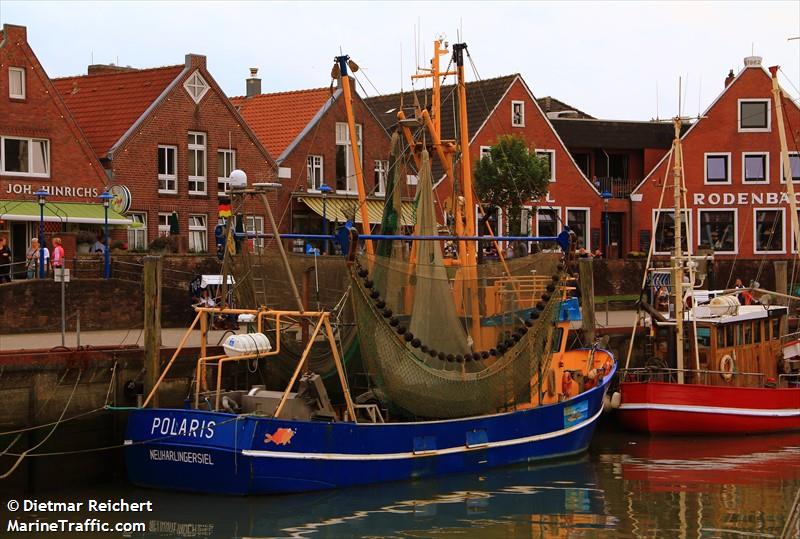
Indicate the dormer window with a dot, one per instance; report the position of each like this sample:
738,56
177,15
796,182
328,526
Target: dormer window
754,115
196,86
518,114
16,83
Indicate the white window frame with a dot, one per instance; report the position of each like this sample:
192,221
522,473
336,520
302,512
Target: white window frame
559,218
195,229
311,166
196,82
701,211
21,71
168,178
766,168
163,228
755,231
258,220
30,142
792,246
229,157
753,129
552,161
521,104
485,151
350,180
689,230
500,225
791,154
705,168
588,231
134,233
382,172
198,180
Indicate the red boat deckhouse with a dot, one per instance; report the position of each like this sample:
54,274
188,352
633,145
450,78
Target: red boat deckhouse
736,195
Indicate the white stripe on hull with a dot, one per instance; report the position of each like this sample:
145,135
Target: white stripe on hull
409,454
717,410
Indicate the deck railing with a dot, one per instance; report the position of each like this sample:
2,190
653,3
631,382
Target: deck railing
705,377
617,187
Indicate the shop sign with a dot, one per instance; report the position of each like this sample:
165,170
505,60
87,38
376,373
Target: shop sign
742,199
66,191
121,202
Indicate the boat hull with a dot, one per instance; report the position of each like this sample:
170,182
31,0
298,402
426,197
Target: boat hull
232,454
669,408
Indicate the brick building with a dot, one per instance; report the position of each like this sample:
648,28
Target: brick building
172,137
307,132
733,174
41,147
502,106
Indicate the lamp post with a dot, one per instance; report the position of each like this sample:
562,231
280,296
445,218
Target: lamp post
41,196
607,236
325,189
106,197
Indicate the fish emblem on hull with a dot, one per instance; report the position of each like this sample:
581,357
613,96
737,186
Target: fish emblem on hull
281,436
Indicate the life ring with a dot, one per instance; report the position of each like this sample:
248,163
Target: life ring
727,366
566,383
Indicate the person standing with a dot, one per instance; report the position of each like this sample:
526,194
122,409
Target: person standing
32,257
58,254
5,261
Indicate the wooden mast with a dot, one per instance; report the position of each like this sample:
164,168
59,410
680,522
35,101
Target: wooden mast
677,257
344,80
787,165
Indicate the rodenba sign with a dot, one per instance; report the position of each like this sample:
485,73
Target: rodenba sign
53,190
742,199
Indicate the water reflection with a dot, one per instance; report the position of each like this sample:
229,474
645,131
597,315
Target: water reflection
626,486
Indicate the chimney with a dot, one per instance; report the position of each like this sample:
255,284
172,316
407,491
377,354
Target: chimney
729,78
253,83
102,69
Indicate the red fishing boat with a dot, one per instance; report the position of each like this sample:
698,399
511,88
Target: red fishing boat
714,366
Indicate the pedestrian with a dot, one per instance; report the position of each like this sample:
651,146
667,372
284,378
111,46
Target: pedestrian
5,261
99,246
33,258
58,254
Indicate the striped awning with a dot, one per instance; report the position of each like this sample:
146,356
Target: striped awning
60,212
342,209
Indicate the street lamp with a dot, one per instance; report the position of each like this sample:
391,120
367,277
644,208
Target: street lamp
41,196
607,236
325,189
106,197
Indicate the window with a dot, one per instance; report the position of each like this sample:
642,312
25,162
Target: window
255,225
718,230
618,166
776,327
16,83
197,163
768,231
163,224
345,166
754,115
381,172
582,160
578,221
757,331
314,171
664,225
196,86
198,235
755,167
547,222
25,157
486,151
549,156
167,169
794,166
703,337
718,168
518,114
137,234
226,163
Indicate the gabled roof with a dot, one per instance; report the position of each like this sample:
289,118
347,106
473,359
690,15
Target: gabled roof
552,105
106,105
482,98
278,119
613,134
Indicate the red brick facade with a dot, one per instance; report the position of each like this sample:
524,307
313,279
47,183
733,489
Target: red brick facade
718,135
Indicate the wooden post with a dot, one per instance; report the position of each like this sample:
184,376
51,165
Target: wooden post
782,287
304,321
586,282
151,280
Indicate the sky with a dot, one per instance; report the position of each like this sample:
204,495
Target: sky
616,60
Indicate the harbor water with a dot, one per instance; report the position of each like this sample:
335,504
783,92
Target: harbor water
625,486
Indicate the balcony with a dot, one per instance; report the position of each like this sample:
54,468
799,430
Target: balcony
618,187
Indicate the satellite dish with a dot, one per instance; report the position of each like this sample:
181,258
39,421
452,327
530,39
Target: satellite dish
238,179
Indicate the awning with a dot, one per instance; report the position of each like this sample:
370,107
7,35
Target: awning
340,209
60,212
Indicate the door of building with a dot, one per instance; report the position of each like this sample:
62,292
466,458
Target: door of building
19,245
612,234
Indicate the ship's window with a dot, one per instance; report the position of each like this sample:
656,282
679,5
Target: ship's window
703,337
729,336
776,328
720,336
748,333
557,334
757,331
739,340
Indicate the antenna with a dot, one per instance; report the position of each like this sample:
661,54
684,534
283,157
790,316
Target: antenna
656,100
686,88
699,96
679,96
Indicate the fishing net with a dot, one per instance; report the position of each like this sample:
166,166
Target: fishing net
443,340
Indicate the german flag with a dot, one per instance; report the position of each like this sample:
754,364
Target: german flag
224,208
